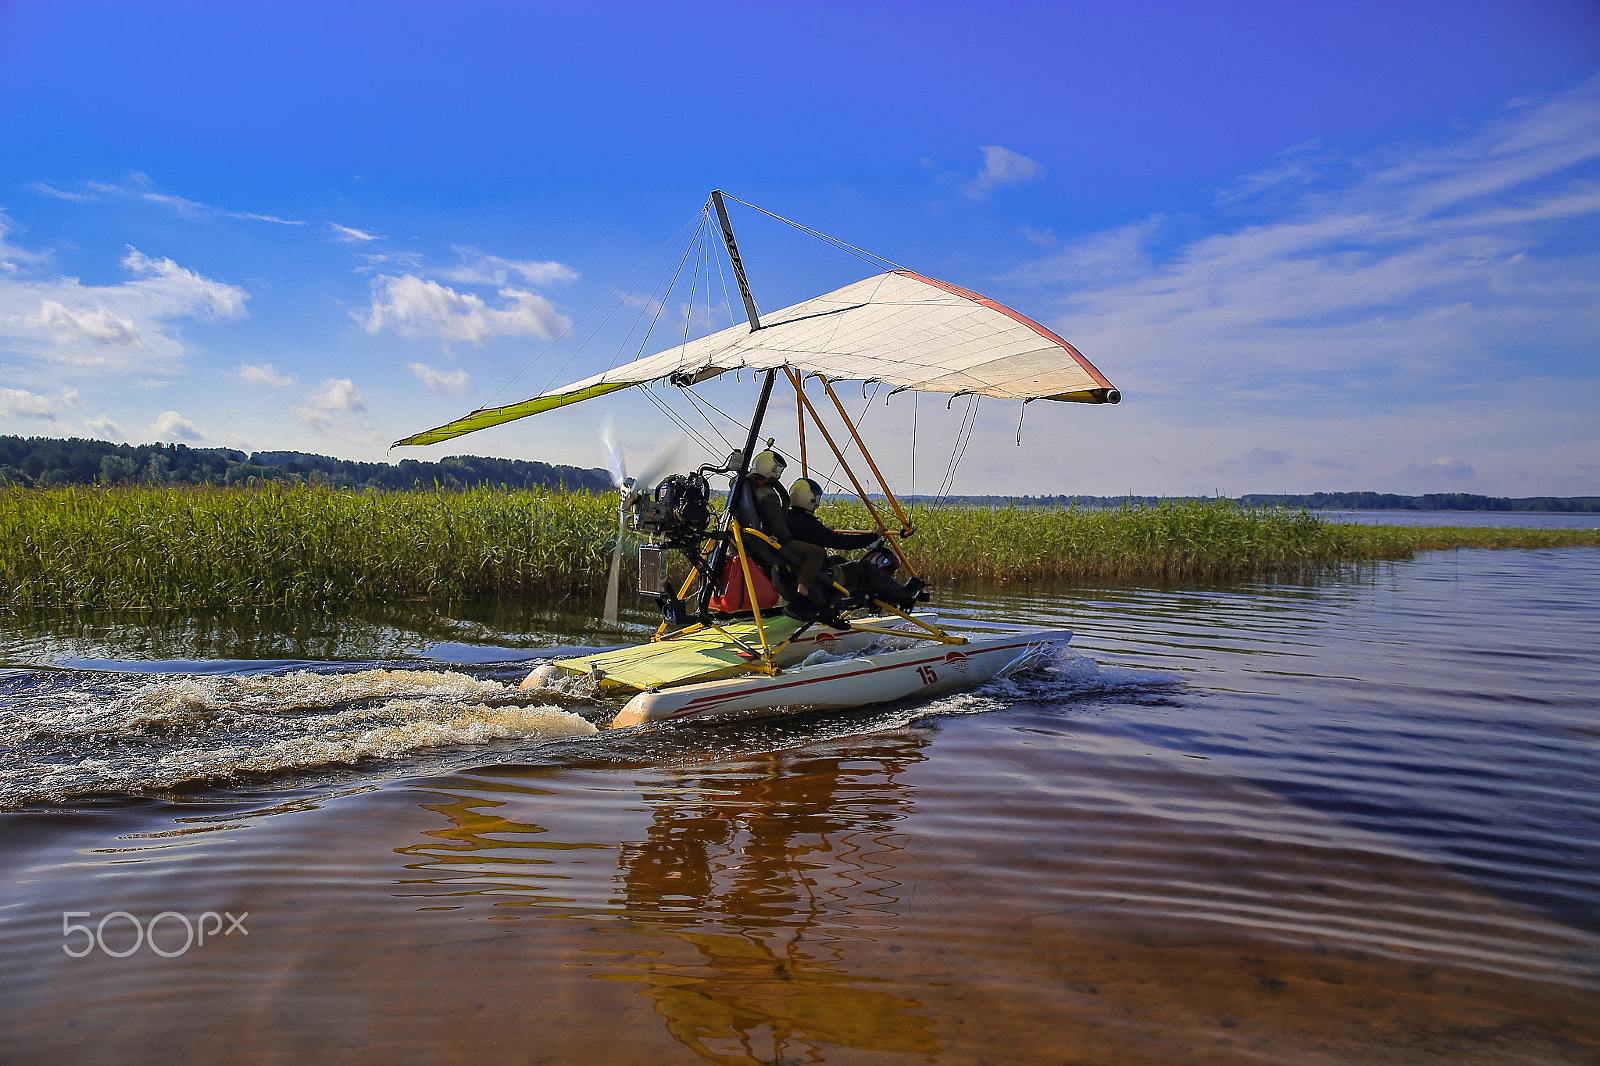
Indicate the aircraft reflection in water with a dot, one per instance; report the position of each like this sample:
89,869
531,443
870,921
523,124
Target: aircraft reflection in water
767,866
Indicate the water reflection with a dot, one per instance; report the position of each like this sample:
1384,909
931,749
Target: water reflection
783,855
735,909
486,853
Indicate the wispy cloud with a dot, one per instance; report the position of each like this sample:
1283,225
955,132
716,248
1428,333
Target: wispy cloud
414,307
338,394
481,268
445,383
131,325
138,186
351,235
44,188
1370,279
266,375
320,421
1002,167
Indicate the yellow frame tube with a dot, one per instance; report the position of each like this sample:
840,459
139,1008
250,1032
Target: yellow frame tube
882,484
750,590
800,419
883,527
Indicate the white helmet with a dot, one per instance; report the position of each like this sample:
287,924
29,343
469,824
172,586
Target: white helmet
768,464
805,494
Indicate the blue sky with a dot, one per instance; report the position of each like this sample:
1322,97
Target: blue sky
1317,245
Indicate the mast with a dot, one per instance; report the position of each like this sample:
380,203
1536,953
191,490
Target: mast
737,484
738,264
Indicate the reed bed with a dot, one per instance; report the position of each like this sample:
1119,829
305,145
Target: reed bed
296,545
1206,540
278,545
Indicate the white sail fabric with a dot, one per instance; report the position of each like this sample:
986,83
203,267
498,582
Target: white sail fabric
899,328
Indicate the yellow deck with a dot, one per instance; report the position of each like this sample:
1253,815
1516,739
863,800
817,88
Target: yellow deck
704,655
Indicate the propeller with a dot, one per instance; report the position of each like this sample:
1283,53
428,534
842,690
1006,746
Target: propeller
628,490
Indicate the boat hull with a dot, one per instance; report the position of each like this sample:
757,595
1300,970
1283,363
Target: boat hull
920,671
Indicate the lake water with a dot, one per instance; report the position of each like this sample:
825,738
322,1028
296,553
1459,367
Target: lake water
1492,519
1346,821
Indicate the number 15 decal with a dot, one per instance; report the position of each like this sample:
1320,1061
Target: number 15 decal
927,675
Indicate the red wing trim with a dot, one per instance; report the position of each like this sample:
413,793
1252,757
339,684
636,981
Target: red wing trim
967,294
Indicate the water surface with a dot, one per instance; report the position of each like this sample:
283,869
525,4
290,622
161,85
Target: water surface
1330,822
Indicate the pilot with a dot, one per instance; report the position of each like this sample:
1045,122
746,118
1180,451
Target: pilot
871,574
772,505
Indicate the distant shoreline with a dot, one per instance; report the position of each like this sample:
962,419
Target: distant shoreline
40,462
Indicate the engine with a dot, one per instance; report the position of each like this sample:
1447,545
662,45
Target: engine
677,512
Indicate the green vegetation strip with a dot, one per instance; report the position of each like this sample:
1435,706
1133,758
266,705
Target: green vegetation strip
306,545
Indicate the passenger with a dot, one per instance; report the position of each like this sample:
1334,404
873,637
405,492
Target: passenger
772,505
863,575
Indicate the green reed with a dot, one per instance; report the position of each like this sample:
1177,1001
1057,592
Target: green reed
1196,540
295,545
304,545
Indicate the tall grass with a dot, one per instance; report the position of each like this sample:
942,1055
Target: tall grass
1199,540
293,545
305,545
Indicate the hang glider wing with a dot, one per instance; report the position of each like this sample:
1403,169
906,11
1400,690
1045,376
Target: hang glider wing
899,328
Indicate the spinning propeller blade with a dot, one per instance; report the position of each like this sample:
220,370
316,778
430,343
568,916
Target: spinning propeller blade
628,489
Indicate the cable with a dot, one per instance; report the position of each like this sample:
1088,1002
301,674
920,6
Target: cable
860,253
642,266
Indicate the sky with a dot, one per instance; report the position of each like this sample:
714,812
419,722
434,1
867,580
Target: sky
1317,246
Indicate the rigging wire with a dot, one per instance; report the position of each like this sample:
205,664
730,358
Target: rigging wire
838,459
969,421
859,253
642,268
661,304
695,402
680,422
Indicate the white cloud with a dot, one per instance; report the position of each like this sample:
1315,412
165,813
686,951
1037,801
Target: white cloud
320,421
1001,167
351,236
439,381
92,324
266,375
184,288
119,327
71,398
103,426
10,255
338,394
481,268
20,403
1446,468
414,307
170,425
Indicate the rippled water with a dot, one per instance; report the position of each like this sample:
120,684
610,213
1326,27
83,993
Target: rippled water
1353,821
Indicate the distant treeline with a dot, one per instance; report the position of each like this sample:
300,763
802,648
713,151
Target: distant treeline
49,461
1316,501
1433,501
